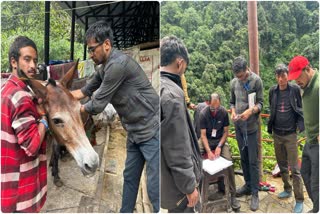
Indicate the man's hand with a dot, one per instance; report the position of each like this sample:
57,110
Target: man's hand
192,106
40,108
246,114
211,156
217,152
193,198
233,116
82,110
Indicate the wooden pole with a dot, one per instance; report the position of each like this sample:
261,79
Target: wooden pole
85,43
73,21
46,32
254,63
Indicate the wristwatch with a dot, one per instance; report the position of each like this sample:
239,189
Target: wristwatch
253,111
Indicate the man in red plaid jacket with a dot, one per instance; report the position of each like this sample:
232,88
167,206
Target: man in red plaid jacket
23,148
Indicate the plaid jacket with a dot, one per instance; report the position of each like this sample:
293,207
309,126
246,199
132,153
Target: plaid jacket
23,157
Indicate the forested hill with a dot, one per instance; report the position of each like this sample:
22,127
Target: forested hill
216,32
27,18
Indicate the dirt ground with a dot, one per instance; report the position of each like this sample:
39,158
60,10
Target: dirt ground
113,179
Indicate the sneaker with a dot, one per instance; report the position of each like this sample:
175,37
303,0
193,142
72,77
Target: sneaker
254,202
284,194
298,208
235,205
243,191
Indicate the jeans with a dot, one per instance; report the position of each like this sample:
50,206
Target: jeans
249,158
137,155
310,172
286,150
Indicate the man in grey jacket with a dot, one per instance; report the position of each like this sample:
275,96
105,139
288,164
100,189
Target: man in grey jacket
123,83
246,104
180,155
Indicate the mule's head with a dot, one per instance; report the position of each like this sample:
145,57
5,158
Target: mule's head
65,122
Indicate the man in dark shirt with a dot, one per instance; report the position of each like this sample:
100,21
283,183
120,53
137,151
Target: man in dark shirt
286,116
123,83
214,124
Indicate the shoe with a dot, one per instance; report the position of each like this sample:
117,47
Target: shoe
284,194
235,205
298,208
243,191
254,202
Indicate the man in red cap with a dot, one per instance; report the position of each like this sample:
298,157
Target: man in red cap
308,79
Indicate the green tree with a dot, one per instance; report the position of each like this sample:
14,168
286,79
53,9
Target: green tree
27,19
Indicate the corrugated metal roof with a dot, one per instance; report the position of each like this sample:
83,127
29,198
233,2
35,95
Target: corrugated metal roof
133,22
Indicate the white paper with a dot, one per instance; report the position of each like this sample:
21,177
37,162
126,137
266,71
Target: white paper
216,165
252,99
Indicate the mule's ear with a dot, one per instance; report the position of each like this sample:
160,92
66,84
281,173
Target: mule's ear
38,88
66,81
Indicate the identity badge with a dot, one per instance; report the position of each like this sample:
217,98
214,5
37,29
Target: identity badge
214,133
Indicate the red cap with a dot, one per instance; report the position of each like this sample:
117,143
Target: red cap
296,65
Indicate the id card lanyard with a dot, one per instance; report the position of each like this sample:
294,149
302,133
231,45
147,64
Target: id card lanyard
213,122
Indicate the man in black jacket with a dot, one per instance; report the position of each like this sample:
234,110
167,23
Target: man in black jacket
286,116
122,82
180,155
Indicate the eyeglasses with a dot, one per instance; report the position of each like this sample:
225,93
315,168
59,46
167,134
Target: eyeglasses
92,49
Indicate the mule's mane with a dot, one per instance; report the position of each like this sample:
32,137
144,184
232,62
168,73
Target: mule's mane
51,82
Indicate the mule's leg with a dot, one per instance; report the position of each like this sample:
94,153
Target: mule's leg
64,154
55,163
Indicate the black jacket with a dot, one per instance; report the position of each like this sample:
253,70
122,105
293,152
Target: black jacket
180,154
295,101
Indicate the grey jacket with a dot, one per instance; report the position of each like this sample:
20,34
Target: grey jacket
181,163
239,101
123,83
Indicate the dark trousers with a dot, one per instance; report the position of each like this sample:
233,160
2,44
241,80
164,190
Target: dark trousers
249,158
137,155
310,172
226,153
286,150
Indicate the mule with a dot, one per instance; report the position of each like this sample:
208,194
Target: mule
59,150
64,119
